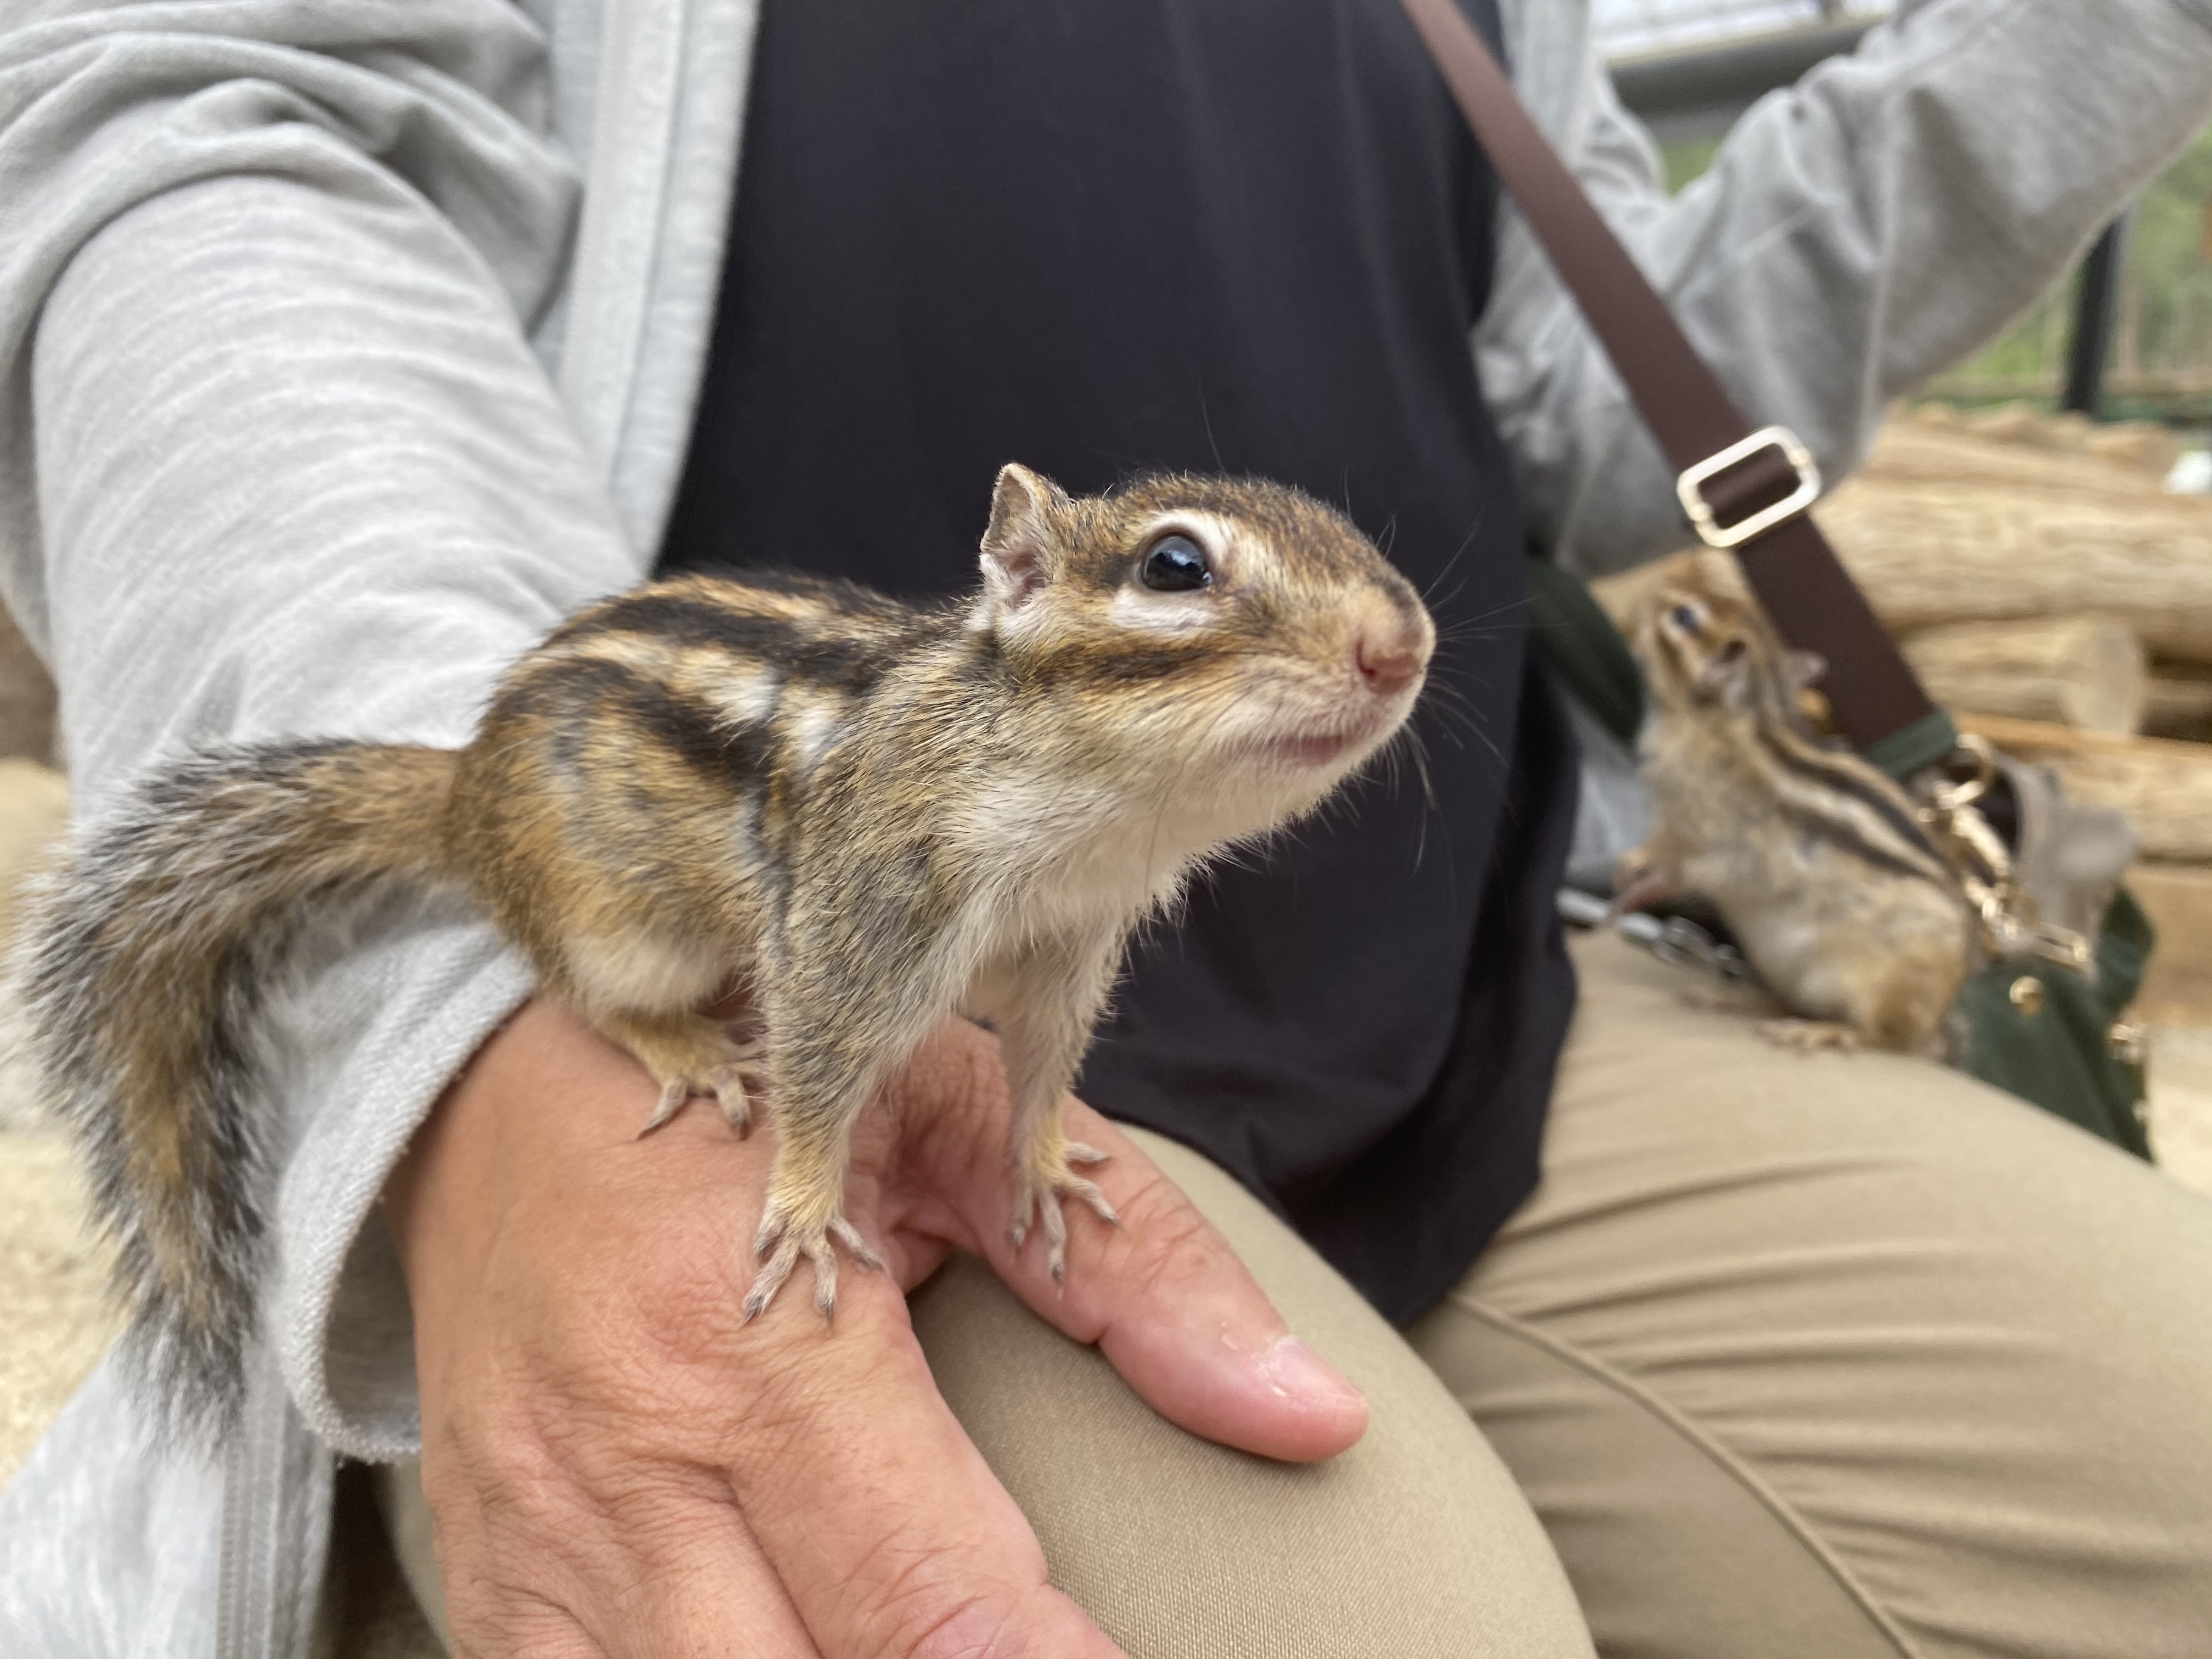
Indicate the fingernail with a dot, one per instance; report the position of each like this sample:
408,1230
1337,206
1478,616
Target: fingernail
1292,1368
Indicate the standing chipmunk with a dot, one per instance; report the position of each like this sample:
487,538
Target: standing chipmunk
871,813
1816,860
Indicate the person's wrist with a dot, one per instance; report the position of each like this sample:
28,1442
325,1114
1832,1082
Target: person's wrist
417,1193
513,1116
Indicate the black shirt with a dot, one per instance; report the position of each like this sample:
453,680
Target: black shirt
1232,235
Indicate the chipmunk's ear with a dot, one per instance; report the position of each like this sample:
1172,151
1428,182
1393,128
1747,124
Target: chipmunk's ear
1021,548
1802,668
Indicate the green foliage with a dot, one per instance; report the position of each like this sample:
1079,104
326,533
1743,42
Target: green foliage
1687,161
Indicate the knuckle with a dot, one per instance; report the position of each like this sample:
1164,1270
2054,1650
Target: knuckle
921,1621
487,1620
971,1629
507,1476
1168,1242
924,1601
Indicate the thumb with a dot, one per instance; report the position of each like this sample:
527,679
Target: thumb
1170,1305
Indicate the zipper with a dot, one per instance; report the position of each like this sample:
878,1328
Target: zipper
277,1498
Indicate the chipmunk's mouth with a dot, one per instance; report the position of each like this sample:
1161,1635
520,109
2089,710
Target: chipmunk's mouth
1312,749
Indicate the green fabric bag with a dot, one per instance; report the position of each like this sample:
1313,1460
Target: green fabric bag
2053,1045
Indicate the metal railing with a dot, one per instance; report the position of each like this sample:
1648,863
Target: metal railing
1634,28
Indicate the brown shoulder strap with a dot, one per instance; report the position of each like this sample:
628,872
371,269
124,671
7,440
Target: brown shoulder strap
1743,490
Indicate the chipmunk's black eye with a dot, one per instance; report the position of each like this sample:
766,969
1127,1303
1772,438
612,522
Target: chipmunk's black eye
1685,618
1174,564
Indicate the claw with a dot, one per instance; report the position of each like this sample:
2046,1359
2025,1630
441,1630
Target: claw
783,1245
1040,1196
672,1096
1089,1193
726,1083
855,1246
729,1086
769,1281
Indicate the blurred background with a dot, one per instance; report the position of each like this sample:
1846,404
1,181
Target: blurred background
2033,523
1689,67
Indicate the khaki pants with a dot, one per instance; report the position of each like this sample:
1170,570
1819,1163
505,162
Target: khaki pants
1790,1357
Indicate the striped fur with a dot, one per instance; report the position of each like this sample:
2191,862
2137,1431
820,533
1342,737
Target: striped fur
142,968
1816,860
867,813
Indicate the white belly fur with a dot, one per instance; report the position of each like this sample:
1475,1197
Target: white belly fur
640,975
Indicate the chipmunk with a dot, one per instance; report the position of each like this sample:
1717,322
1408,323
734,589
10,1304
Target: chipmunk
1816,860
872,814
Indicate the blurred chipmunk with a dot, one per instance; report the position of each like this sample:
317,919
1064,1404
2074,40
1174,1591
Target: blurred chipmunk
1817,862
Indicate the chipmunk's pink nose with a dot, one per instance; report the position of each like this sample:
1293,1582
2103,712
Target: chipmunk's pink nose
1391,655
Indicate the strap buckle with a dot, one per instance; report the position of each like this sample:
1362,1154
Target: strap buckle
1690,487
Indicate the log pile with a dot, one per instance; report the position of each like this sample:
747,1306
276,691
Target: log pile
1947,525
2085,672
2053,594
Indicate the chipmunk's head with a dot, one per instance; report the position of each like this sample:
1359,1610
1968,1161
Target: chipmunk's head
1702,648
1231,646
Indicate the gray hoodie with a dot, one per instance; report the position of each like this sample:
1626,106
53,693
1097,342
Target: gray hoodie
347,344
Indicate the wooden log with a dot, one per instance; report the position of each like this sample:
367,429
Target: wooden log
2142,447
1945,526
2165,787
2011,512
27,697
33,817
2177,707
2178,989
2072,456
1929,554
2085,672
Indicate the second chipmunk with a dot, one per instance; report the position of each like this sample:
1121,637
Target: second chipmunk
871,814
1818,863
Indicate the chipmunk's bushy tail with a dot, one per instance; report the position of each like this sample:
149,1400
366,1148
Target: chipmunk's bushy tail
141,966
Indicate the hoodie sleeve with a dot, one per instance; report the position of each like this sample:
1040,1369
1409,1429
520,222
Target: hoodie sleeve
277,459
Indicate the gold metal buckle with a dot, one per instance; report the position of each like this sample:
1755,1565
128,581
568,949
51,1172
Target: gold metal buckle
1690,487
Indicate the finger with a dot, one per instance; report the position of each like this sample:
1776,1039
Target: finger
1168,1302
699,1585
891,1535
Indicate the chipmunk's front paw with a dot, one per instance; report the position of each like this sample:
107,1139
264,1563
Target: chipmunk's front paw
1043,1178
783,1239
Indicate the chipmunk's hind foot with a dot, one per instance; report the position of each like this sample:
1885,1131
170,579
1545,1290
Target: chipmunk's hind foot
784,1240
1810,1035
690,1054
726,1083
1045,1177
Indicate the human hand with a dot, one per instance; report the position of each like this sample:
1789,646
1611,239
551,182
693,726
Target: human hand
615,1466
